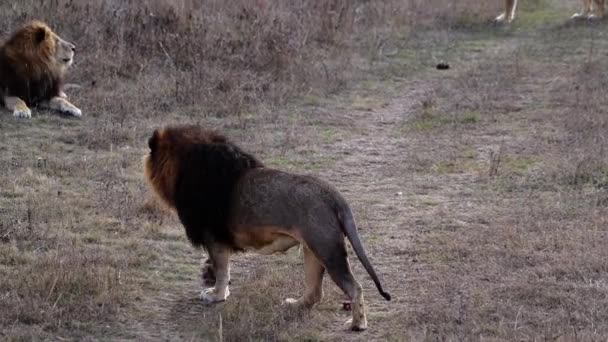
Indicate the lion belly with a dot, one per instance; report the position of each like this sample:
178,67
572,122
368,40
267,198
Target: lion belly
277,244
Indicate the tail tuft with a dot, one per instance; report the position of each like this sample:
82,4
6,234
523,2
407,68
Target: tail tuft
386,295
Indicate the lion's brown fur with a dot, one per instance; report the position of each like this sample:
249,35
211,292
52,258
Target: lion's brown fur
30,58
162,172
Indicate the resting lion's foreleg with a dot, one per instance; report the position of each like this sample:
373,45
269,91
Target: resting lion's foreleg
313,270
221,265
18,107
61,104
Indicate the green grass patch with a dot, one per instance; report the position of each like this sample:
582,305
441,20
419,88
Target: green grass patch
430,120
520,165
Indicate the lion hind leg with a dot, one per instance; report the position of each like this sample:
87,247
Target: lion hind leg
221,265
63,105
18,106
342,275
335,260
313,270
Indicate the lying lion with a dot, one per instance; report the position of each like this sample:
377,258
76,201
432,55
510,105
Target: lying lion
588,11
229,202
32,65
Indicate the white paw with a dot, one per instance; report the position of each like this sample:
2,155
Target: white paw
210,296
578,16
290,301
22,113
356,327
500,18
73,111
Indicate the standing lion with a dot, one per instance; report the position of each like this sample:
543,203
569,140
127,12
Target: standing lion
229,202
32,65
588,11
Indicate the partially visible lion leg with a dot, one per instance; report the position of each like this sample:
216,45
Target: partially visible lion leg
208,273
511,7
599,8
221,265
586,10
343,277
63,105
509,14
313,270
18,106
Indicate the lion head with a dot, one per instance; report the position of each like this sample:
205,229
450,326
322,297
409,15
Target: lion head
41,49
189,164
168,147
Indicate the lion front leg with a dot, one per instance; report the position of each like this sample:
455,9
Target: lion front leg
61,104
221,265
587,4
18,107
509,14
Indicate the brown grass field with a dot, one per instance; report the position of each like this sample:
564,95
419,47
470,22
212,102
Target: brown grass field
481,191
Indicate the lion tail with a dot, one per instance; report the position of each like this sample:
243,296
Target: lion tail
349,227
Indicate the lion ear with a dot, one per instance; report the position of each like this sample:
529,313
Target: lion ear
153,141
40,35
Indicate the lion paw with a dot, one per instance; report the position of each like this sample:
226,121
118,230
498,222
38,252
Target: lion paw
291,302
211,295
73,111
501,18
360,326
25,113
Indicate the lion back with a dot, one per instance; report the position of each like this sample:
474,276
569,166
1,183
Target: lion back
26,70
204,190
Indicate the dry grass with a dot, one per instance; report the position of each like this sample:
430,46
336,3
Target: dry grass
480,191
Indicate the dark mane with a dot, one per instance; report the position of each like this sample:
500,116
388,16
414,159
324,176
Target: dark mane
210,167
32,90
